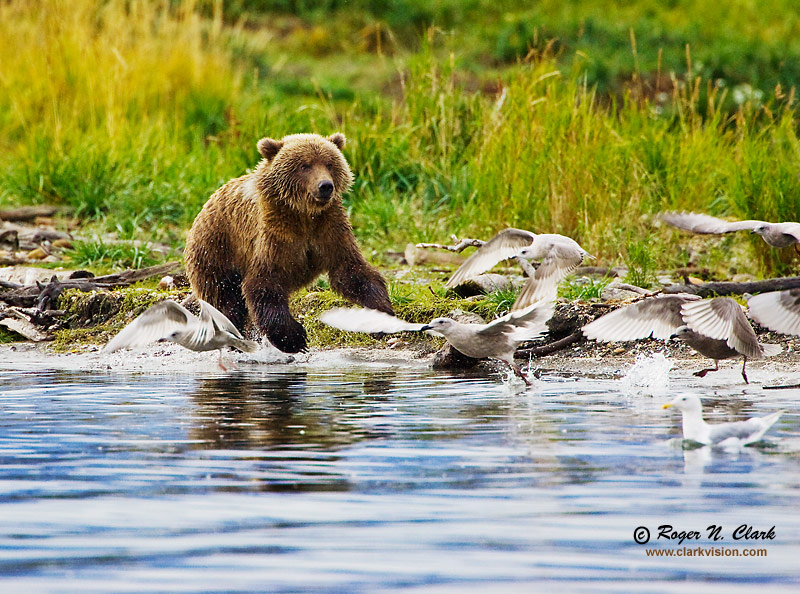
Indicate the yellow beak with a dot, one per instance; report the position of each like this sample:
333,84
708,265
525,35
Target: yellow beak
667,405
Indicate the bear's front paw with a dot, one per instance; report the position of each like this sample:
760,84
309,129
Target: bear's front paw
290,337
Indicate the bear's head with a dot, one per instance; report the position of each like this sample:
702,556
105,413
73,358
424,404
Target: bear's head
306,172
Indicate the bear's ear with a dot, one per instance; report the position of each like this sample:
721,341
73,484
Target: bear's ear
338,139
269,147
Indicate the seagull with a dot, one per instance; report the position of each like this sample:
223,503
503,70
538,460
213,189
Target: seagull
559,256
777,310
778,235
716,328
497,339
171,321
737,434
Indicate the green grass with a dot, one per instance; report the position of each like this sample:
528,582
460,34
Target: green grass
585,288
582,118
100,255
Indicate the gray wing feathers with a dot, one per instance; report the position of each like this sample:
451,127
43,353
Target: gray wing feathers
560,260
748,431
658,317
219,319
703,223
525,324
723,319
502,246
777,310
792,229
366,320
246,346
156,323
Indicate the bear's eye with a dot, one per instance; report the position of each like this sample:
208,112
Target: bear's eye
305,166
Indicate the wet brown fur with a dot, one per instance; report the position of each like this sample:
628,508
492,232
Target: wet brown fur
264,235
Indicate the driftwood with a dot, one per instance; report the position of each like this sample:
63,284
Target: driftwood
31,323
28,213
458,245
731,288
552,347
44,296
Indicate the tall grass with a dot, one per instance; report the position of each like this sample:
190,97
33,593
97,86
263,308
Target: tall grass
133,112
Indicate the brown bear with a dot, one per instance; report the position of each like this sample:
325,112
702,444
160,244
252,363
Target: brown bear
264,235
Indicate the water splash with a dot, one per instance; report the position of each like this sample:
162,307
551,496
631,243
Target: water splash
268,353
649,371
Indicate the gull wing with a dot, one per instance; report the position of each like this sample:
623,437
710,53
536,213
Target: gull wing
723,319
525,324
791,229
561,255
156,323
366,320
777,310
658,317
703,223
502,246
219,319
747,431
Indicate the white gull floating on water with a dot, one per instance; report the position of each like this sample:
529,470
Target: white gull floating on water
736,434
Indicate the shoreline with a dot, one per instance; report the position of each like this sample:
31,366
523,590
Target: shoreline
598,361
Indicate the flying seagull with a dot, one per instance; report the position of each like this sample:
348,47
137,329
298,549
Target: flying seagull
559,255
171,321
739,433
497,339
778,235
716,328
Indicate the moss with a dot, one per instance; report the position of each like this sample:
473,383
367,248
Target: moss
7,336
94,317
412,302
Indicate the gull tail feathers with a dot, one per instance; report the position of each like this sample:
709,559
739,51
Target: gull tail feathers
244,345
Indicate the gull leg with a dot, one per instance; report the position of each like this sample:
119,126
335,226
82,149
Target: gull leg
703,372
220,361
519,373
744,375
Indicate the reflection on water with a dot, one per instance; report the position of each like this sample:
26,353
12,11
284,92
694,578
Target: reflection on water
360,479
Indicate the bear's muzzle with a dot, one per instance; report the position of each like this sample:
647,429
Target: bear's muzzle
324,190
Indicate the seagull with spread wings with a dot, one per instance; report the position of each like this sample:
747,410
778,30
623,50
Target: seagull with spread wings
778,235
716,328
171,321
736,434
497,340
559,255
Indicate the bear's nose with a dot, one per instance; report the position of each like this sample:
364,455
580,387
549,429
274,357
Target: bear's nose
325,188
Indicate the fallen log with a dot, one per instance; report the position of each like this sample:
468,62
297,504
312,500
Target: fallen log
732,288
28,213
552,347
44,296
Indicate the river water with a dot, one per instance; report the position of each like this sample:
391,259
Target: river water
382,478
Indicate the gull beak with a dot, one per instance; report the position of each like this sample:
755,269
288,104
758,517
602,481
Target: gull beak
667,405
425,327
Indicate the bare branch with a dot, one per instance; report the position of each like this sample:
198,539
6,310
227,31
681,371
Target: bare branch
458,246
